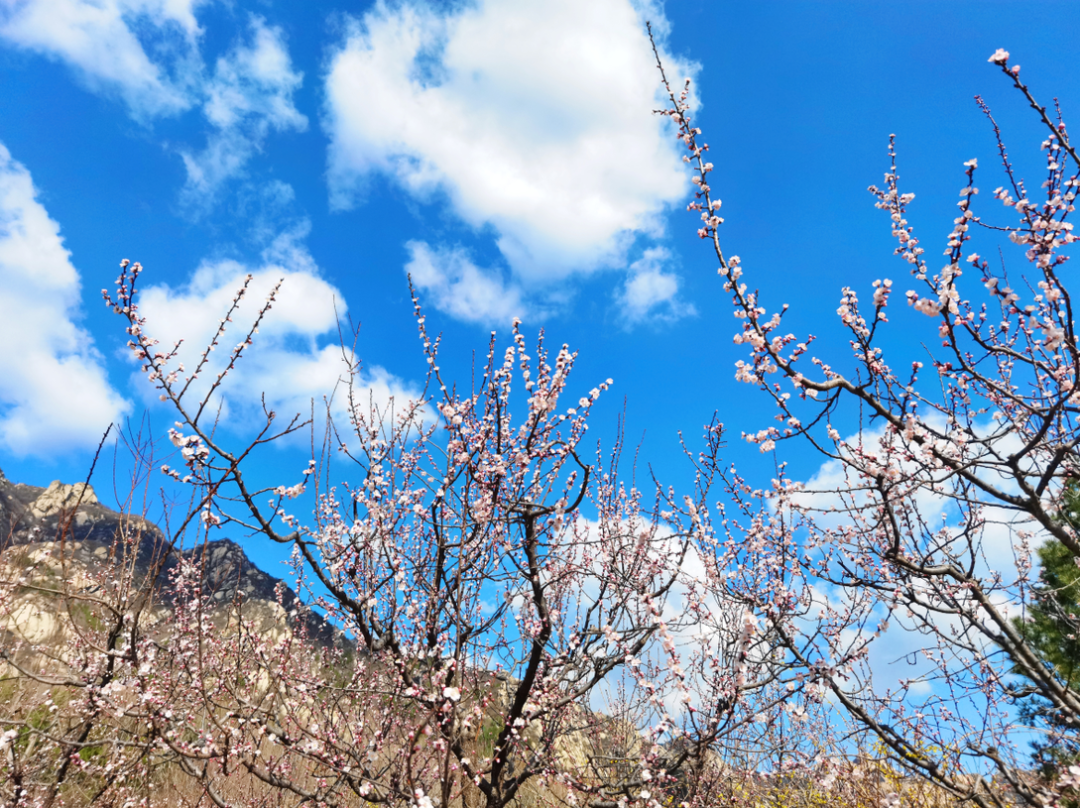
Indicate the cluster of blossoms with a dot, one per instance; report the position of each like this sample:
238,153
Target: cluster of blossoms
191,447
994,433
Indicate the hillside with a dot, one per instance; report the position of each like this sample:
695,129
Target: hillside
33,518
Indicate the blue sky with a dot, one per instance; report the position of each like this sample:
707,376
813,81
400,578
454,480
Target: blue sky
503,152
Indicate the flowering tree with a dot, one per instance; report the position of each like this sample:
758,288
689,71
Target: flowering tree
521,621
924,521
77,630
507,643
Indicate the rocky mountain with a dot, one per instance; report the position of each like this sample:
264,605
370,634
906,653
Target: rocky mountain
92,532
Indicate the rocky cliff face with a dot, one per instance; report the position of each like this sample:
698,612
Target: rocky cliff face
91,533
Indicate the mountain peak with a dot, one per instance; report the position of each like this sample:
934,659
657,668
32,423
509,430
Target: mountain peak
93,533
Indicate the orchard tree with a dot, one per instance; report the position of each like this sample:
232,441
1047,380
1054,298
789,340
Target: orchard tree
77,634
526,620
953,474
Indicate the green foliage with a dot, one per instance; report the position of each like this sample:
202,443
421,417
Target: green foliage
1052,628
83,612
489,733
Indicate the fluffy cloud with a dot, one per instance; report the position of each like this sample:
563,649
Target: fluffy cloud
651,293
54,392
106,42
251,93
451,282
533,118
286,364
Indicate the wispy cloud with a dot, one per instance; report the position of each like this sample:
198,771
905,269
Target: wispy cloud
250,94
144,51
651,292
148,53
453,284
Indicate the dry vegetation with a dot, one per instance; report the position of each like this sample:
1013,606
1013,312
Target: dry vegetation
70,691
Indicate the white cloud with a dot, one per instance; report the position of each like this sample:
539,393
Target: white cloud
106,43
147,52
54,392
287,247
450,281
250,94
534,118
286,362
650,293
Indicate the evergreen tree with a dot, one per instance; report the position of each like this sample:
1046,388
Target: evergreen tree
1052,627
